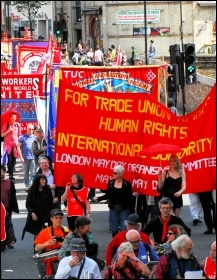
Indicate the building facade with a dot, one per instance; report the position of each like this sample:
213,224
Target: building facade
107,23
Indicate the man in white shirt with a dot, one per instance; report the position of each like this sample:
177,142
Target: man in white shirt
78,266
98,57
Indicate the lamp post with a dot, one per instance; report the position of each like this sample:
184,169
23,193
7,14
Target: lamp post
182,74
145,24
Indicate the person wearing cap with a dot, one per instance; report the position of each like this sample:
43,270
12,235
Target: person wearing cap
39,145
133,222
78,265
121,201
24,149
127,265
50,238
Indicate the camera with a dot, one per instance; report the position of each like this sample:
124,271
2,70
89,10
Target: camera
59,238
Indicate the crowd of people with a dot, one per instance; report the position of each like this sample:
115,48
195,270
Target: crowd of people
132,253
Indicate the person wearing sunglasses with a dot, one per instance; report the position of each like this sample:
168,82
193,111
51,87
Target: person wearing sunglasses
120,200
173,232
50,238
24,149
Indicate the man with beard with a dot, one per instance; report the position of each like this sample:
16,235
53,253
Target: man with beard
175,264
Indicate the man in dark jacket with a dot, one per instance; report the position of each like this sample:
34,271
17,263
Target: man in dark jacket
159,225
39,146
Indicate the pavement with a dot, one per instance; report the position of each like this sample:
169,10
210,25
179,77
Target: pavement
18,263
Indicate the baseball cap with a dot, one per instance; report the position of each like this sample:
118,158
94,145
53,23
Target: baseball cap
77,244
133,219
55,212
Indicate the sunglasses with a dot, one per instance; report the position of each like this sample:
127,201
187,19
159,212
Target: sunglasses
31,128
170,233
135,242
115,173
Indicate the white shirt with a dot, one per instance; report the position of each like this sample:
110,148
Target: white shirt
89,271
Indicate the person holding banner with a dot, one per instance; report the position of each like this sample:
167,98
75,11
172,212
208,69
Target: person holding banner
76,195
121,200
172,183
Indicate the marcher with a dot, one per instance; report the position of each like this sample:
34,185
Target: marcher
152,49
77,266
133,57
82,230
24,149
113,54
133,222
8,237
209,264
127,265
47,170
172,183
98,57
11,132
195,208
50,238
143,251
175,264
171,106
8,193
120,200
209,211
39,146
40,37
78,203
159,226
173,232
39,203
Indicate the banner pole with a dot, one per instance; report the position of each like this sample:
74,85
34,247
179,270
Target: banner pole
46,101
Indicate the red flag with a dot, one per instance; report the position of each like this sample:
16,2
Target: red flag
47,57
3,216
119,57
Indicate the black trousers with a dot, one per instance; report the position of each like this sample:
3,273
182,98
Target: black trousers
71,222
11,163
208,206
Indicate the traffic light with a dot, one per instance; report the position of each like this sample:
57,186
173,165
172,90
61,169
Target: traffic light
57,28
173,78
190,64
174,54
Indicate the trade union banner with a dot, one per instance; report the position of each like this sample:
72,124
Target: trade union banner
137,79
97,130
17,94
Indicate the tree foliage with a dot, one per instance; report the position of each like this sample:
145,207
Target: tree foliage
28,9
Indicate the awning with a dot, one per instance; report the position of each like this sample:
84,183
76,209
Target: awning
206,3
92,10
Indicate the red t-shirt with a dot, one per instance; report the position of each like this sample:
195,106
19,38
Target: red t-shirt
46,234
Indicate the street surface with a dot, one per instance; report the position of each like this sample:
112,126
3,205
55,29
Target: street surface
18,263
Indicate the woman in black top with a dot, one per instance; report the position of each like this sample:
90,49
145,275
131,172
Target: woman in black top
120,200
39,203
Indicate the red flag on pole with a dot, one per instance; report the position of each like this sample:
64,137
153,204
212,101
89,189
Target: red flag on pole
47,58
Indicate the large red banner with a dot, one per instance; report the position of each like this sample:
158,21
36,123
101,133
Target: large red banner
97,130
17,94
141,79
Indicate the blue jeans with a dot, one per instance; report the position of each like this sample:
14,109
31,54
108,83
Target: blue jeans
117,218
28,171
